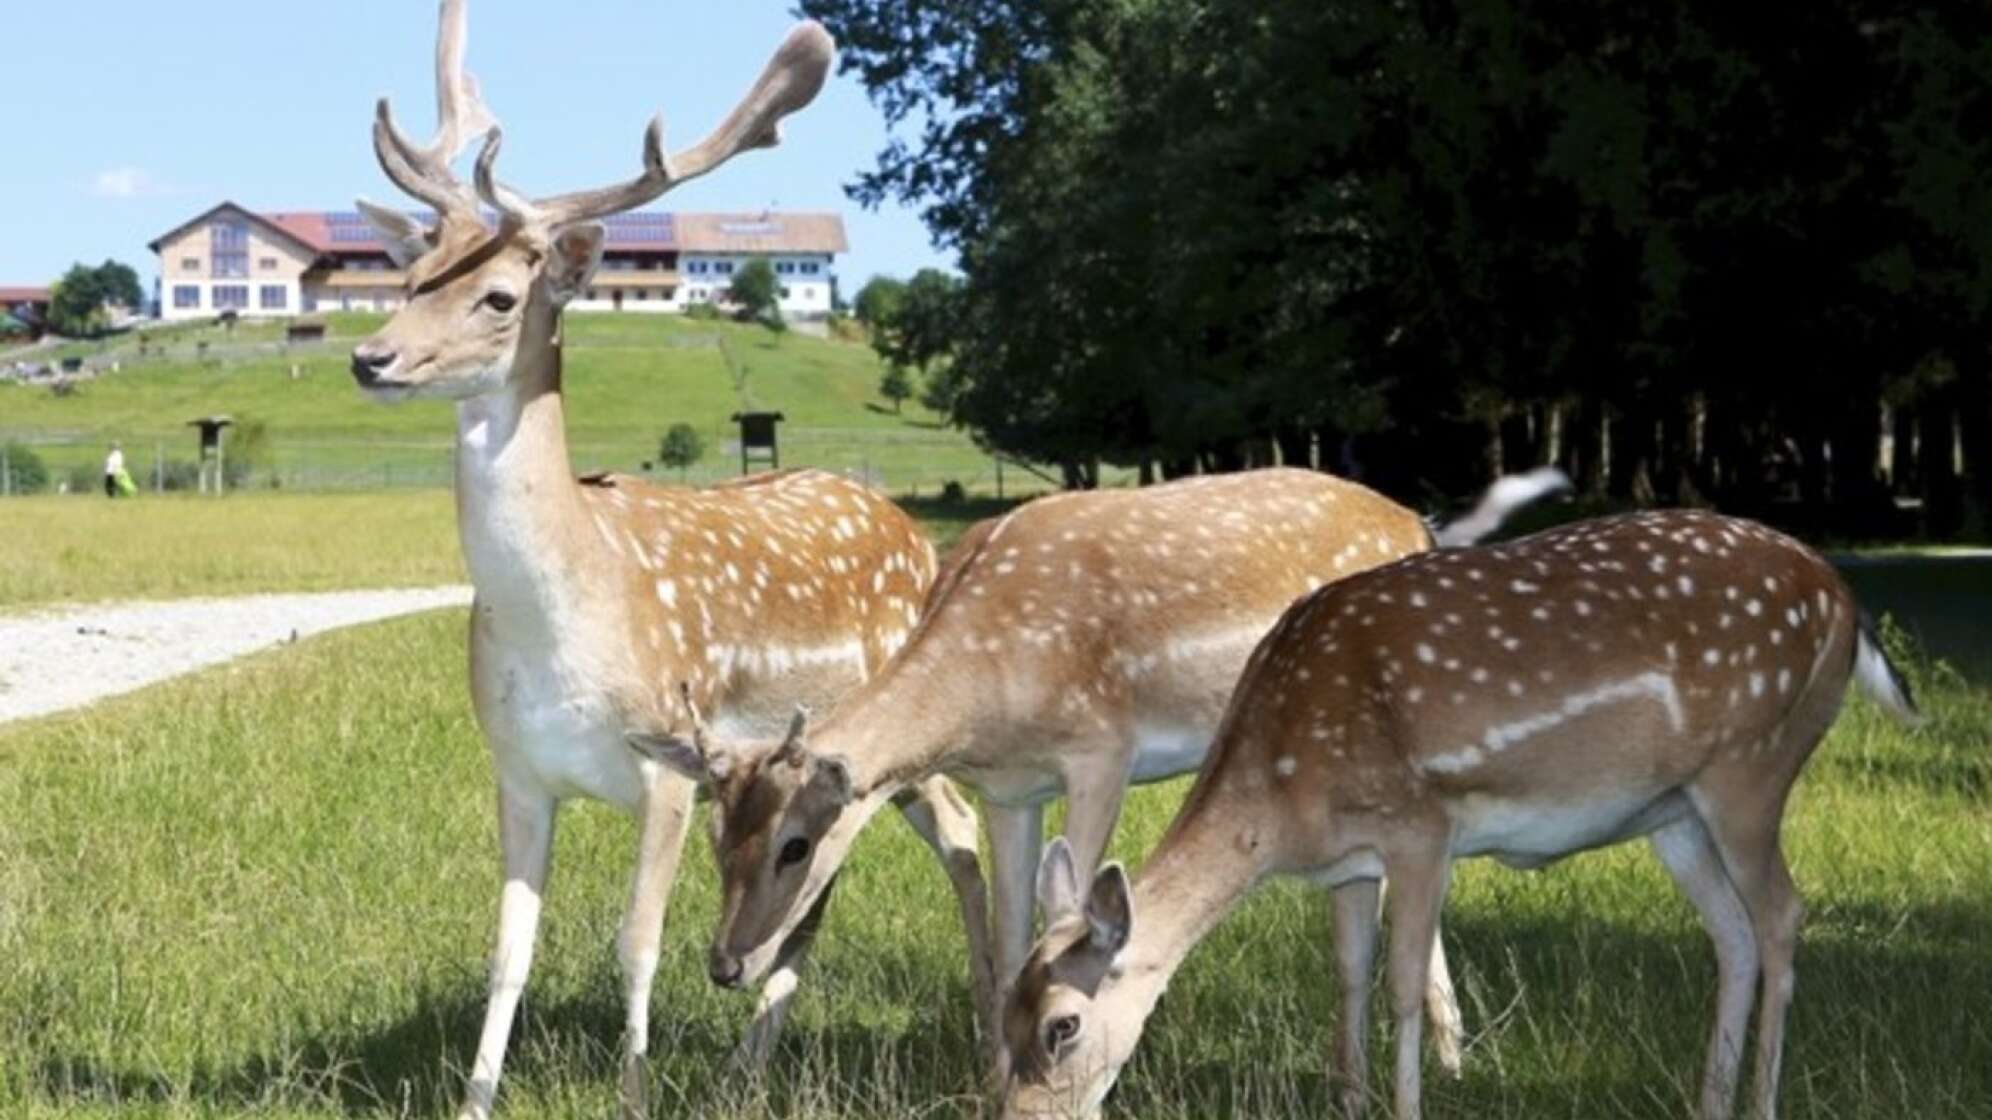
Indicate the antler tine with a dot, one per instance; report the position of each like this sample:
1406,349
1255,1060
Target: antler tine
514,211
461,115
790,81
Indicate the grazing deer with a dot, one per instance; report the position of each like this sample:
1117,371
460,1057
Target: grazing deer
1082,642
597,600
1659,674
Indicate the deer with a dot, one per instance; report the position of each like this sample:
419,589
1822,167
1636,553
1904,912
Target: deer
1662,675
608,603
1081,643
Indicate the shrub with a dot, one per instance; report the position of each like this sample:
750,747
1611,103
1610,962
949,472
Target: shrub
26,471
704,312
681,447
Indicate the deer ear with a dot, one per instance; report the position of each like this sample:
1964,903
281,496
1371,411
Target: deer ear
833,777
406,239
1057,881
673,751
1110,909
575,254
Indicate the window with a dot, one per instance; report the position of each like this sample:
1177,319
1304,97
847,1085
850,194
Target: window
724,268
273,297
696,268
592,296
810,268
785,268
785,292
186,295
231,297
267,264
228,249
190,264
642,295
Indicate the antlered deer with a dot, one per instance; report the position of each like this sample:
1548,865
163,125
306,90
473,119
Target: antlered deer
1662,675
597,601
1084,641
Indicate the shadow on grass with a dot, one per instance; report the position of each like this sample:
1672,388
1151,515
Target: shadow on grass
1605,1021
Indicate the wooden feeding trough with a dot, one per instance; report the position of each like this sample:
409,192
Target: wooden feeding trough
212,457
757,439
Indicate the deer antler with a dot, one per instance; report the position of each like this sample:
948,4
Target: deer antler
789,82
461,116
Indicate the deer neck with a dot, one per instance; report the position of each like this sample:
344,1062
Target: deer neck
1210,859
520,516
904,723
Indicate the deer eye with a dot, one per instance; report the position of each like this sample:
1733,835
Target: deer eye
795,851
1059,1033
499,301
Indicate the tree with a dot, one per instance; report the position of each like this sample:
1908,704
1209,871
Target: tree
120,285
1442,240
682,446
895,385
922,327
878,301
76,303
757,293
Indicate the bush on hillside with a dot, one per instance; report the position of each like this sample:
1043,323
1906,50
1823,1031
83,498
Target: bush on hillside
26,472
704,312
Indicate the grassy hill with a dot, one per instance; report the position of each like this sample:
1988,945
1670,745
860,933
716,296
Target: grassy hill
629,377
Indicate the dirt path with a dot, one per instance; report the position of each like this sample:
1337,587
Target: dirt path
56,658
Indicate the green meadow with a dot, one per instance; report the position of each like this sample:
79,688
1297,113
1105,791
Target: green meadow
629,377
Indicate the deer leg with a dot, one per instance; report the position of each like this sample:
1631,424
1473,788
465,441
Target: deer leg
525,832
1417,891
1442,1005
943,818
665,813
1355,905
1015,835
778,990
1691,858
1745,831
1092,807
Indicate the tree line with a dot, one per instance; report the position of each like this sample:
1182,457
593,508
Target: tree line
1694,252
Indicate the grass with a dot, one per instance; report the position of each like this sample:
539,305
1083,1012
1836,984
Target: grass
56,549
66,550
268,890
629,377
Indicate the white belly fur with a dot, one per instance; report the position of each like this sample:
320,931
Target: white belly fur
1531,834
1162,752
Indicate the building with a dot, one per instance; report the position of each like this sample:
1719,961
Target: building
285,263
27,306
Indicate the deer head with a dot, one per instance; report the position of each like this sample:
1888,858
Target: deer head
1070,1023
479,297
783,816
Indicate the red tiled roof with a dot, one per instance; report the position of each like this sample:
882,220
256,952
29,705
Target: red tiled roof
23,295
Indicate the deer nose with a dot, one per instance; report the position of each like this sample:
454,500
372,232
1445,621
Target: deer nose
724,968
369,360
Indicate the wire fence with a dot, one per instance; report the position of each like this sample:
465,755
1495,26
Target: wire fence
75,465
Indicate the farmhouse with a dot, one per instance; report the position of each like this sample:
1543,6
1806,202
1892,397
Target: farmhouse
25,306
229,258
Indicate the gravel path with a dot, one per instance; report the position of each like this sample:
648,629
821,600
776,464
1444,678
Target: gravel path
65,657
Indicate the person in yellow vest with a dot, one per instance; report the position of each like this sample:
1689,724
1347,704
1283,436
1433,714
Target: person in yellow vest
114,468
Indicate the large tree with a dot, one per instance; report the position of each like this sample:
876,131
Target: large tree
1687,249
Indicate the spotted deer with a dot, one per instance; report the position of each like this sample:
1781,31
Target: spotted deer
597,600
1083,642
1661,674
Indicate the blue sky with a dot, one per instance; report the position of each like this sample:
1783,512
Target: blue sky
128,118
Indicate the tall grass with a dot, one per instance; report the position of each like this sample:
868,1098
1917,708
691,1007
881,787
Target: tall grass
269,890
